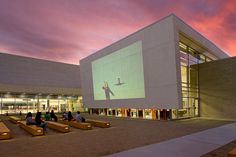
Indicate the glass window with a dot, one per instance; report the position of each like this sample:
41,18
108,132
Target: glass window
8,105
189,77
32,103
22,105
183,46
208,59
118,112
184,74
134,113
148,113
202,58
193,60
183,55
184,93
182,113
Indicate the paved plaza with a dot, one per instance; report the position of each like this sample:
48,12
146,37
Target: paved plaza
125,134
193,145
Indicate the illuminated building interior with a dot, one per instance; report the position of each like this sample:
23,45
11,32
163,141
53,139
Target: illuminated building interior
24,103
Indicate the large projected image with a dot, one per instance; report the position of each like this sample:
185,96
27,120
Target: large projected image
119,75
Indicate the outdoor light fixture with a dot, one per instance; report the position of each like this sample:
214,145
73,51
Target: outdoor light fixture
4,134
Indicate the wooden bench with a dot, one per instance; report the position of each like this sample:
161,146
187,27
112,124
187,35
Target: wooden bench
98,123
232,153
32,129
5,133
75,124
14,119
58,127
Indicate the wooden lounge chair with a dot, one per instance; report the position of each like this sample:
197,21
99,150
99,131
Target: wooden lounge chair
75,124
98,123
14,119
5,133
58,127
232,153
32,129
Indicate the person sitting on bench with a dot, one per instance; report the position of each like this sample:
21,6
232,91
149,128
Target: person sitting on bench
64,116
39,122
53,116
47,116
29,120
70,117
79,118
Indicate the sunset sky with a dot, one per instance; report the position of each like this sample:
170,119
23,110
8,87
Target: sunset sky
68,30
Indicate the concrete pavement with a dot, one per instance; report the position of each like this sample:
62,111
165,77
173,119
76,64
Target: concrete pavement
193,145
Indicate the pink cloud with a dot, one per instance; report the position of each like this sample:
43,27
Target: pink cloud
67,31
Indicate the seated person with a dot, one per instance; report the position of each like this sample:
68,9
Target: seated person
53,116
79,118
64,116
29,120
70,117
47,116
39,122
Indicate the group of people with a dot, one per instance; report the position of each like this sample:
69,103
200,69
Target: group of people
37,121
68,116
51,117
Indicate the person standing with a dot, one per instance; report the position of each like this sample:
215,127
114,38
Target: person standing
107,90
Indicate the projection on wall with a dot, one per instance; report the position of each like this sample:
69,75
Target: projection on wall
119,75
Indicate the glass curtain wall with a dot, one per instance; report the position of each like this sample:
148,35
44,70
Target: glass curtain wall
189,60
16,103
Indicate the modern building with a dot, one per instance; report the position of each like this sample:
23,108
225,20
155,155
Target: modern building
152,73
163,71
28,85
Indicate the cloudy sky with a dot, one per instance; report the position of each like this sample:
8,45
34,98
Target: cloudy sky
68,30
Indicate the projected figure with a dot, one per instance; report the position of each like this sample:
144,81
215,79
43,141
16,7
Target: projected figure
107,90
119,82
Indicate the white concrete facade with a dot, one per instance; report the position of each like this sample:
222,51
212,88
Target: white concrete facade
161,63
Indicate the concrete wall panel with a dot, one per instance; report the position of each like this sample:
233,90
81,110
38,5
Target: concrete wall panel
159,63
218,89
28,72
